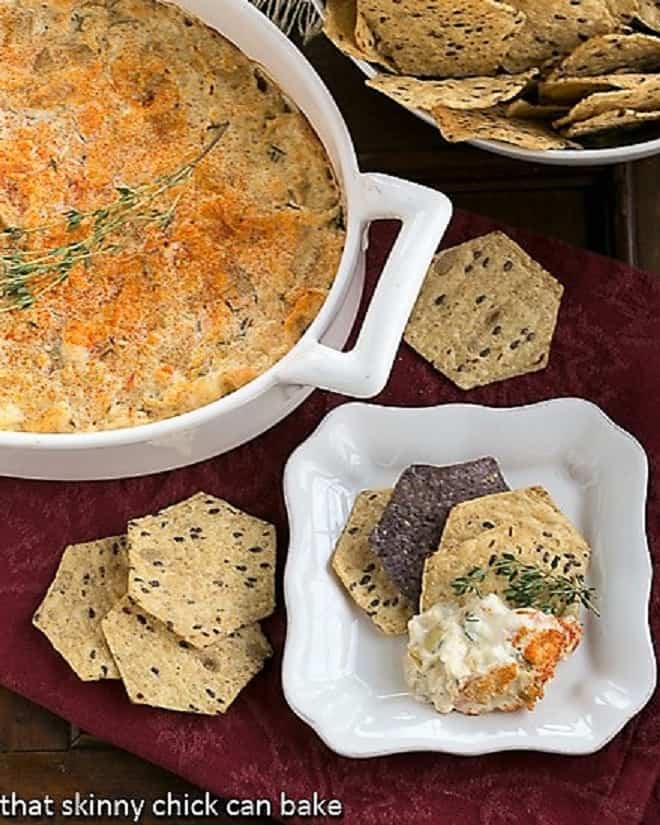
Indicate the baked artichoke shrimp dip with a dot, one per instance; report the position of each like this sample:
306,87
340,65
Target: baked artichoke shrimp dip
484,655
169,222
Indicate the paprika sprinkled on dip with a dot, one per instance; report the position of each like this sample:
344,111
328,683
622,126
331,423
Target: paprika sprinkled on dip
170,224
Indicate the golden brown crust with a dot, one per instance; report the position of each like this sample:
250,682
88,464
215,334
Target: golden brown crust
518,685
98,95
481,689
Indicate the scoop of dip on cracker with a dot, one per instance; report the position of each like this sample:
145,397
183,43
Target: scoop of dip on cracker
484,656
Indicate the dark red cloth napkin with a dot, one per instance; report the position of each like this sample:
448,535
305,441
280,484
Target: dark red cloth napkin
607,349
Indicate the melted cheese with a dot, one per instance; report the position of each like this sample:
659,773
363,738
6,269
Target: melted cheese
94,96
485,656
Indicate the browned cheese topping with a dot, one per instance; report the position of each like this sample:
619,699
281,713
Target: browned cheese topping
130,292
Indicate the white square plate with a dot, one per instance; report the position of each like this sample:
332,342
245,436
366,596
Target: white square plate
345,679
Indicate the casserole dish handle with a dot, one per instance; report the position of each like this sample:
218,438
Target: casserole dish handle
363,371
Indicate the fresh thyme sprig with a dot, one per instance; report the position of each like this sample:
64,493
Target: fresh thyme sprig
530,586
26,274
469,584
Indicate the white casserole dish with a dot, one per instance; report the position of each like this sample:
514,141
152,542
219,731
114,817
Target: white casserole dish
314,361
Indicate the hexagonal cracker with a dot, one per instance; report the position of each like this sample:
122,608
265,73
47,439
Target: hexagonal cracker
161,670
202,567
90,579
361,571
486,312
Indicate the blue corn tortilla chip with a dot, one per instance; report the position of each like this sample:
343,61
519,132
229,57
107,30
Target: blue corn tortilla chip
412,523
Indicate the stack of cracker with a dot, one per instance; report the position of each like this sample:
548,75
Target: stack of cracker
560,74
171,608
402,549
379,557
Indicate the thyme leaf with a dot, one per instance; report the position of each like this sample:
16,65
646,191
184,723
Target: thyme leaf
465,585
28,273
530,586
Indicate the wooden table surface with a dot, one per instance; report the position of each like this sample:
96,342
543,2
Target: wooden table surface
611,210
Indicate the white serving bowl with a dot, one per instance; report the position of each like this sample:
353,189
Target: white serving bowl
550,157
345,678
316,360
